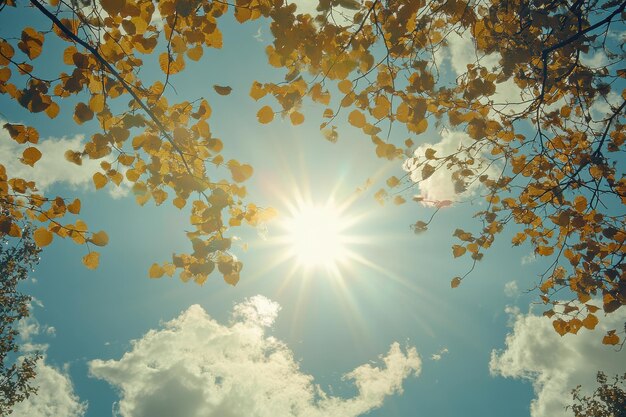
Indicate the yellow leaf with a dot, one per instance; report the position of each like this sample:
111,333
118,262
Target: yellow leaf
392,181
357,119
296,118
611,338
265,115
345,86
91,260
100,238
458,250
456,281
156,271
580,203
42,237
74,207
232,278
257,91
31,42
30,156
239,172
195,53
113,7
222,90
590,321
82,113
99,180
179,202
545,250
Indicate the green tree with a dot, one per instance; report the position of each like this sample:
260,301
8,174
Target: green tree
17,369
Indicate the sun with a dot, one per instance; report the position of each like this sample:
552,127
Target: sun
314,235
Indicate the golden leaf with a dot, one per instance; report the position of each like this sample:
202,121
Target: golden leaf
156,271
456,281
91,260
99,180
74,207
30,156
100,238
356,119
265,114
296,118
42,237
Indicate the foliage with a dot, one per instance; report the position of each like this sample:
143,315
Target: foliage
17,258
548,167
608,400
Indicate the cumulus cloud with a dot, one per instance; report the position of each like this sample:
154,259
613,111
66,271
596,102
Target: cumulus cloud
52,168
55,393
197,367
440,185
554,364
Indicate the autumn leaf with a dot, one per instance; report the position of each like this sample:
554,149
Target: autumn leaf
357,119
456,281
222,90
30,156
296,118
43,237
91,260
265,114
239,172
156,271
99,180
99,239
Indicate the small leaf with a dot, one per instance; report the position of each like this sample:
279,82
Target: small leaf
427,171
357,119
265,114
43,237
100,238
222,90
296,118
610,338
91,260
456,281
30,156
99,180
458,250
156,271
74,207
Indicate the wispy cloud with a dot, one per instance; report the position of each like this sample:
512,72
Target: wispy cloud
195,366
437,356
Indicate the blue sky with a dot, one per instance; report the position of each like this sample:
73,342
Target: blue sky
481,349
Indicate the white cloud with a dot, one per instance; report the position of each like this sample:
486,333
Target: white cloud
440,185
55,393
528,259
461,52
195,367
555,364
511,289
55,396
437,356
52,168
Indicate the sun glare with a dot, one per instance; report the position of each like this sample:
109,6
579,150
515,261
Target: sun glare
314,235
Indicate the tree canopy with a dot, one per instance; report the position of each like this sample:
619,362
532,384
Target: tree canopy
17,368
547,162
